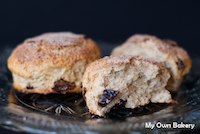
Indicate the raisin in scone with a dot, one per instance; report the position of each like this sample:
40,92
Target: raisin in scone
124,80
51,63
172,56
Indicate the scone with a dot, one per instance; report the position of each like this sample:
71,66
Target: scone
51,63
173,57
124,81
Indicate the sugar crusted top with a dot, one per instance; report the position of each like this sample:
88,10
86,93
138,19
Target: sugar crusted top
59,38
51,50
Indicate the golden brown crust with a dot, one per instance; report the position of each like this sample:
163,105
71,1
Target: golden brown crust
42,60
51,50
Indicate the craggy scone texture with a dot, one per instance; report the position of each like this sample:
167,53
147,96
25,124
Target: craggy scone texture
51,63
165,51
113,82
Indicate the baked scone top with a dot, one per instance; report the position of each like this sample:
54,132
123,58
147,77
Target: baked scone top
58,39
51,50
174,53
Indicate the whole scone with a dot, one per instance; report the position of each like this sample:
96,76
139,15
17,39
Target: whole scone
51,63
124,81
165,51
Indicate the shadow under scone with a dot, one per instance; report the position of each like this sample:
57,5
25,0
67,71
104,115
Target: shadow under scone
74,105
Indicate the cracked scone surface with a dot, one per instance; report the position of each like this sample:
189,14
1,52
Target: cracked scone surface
51,62
165,51
131,81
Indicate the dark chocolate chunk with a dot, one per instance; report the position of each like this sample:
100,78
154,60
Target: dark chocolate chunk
29,86
62,85
180,64
121,104
107,96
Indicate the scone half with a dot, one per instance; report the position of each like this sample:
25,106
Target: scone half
131,81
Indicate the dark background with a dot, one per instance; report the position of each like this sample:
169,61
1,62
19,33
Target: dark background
108,20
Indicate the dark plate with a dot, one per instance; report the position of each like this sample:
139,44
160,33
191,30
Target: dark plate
68,113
